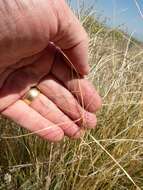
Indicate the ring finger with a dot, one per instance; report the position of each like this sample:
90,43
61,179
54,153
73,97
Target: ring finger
50,111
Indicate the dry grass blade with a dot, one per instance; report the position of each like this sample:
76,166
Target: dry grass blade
116,162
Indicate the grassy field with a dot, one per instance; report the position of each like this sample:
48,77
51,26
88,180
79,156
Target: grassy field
108,158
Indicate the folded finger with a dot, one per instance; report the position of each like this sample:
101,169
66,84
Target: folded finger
58,94
50,111
71,38
80,87
27,117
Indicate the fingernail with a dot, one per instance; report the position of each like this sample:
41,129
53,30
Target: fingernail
54,135
91,120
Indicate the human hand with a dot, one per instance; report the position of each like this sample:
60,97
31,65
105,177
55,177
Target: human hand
66,101
26,27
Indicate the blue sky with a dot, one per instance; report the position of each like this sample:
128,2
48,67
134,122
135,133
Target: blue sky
119,13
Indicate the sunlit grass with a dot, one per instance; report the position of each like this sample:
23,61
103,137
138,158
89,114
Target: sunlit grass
110,157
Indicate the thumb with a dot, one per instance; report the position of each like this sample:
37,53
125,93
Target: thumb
72,39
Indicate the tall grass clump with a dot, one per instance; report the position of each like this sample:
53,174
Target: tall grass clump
108,158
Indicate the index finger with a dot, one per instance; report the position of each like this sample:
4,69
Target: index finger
72,38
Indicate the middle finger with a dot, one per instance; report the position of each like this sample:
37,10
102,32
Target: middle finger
66,102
